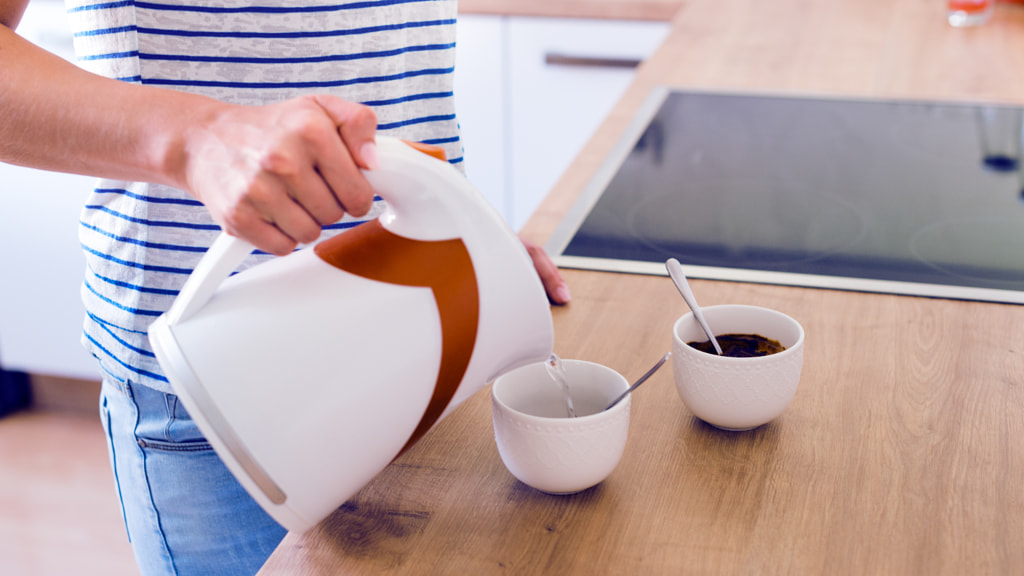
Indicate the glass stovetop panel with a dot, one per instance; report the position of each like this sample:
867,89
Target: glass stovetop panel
889,196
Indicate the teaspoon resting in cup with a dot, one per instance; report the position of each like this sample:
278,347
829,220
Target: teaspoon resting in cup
675,271
640,381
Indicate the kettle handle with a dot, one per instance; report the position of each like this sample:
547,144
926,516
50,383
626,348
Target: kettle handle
227,252
223,257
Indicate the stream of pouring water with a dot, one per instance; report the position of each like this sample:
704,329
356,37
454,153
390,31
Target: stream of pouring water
557,372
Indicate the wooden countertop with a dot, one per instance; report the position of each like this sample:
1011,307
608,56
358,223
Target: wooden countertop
902,451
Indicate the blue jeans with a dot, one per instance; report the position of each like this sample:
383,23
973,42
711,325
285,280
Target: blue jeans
184,511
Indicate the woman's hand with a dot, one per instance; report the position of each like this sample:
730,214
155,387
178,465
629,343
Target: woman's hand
275,174
554,285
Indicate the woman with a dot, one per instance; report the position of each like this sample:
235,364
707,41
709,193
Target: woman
256,119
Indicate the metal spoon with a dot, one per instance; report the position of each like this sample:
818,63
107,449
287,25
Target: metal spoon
640,381
676,272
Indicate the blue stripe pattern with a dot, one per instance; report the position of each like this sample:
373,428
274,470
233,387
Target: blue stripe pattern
294,9
303,60
115,303
407,98
117,375
150,199
132,264
109,331
152,223
110,55
152,245
103,31
135,288
100,6
249,34
302,85
248,9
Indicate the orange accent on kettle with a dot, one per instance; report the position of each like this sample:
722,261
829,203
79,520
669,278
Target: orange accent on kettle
371,251
428,149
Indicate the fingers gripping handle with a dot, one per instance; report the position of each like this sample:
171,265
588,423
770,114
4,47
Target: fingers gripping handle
404,179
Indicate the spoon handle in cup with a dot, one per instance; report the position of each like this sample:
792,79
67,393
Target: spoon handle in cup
675,270
640,381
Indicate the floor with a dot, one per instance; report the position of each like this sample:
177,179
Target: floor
59,512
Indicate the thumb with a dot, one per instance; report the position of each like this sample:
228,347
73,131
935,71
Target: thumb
357,125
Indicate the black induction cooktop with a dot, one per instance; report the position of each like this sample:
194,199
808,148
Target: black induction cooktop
906,197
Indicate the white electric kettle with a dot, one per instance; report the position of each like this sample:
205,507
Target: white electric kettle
310,373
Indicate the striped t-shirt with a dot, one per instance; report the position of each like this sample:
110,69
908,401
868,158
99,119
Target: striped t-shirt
141,241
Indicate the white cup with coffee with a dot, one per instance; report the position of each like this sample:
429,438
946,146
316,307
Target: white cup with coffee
731,392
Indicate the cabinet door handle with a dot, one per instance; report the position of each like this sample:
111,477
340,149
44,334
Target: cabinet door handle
556,59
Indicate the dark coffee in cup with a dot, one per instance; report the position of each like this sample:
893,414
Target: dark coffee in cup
740,345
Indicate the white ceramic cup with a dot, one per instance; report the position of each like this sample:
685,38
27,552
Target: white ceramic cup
737,393
541,445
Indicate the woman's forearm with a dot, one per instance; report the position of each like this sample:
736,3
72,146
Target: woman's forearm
56,116
271,174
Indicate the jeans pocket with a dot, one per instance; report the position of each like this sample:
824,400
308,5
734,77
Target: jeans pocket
165,446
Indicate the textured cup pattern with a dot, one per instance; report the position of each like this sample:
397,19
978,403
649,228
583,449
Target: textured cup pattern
558,454
743,384
568,443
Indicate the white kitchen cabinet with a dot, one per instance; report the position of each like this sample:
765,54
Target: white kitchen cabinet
565,76
42,267
480,101
559,78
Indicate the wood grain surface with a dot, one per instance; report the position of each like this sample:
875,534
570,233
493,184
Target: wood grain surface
900,454
902,451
